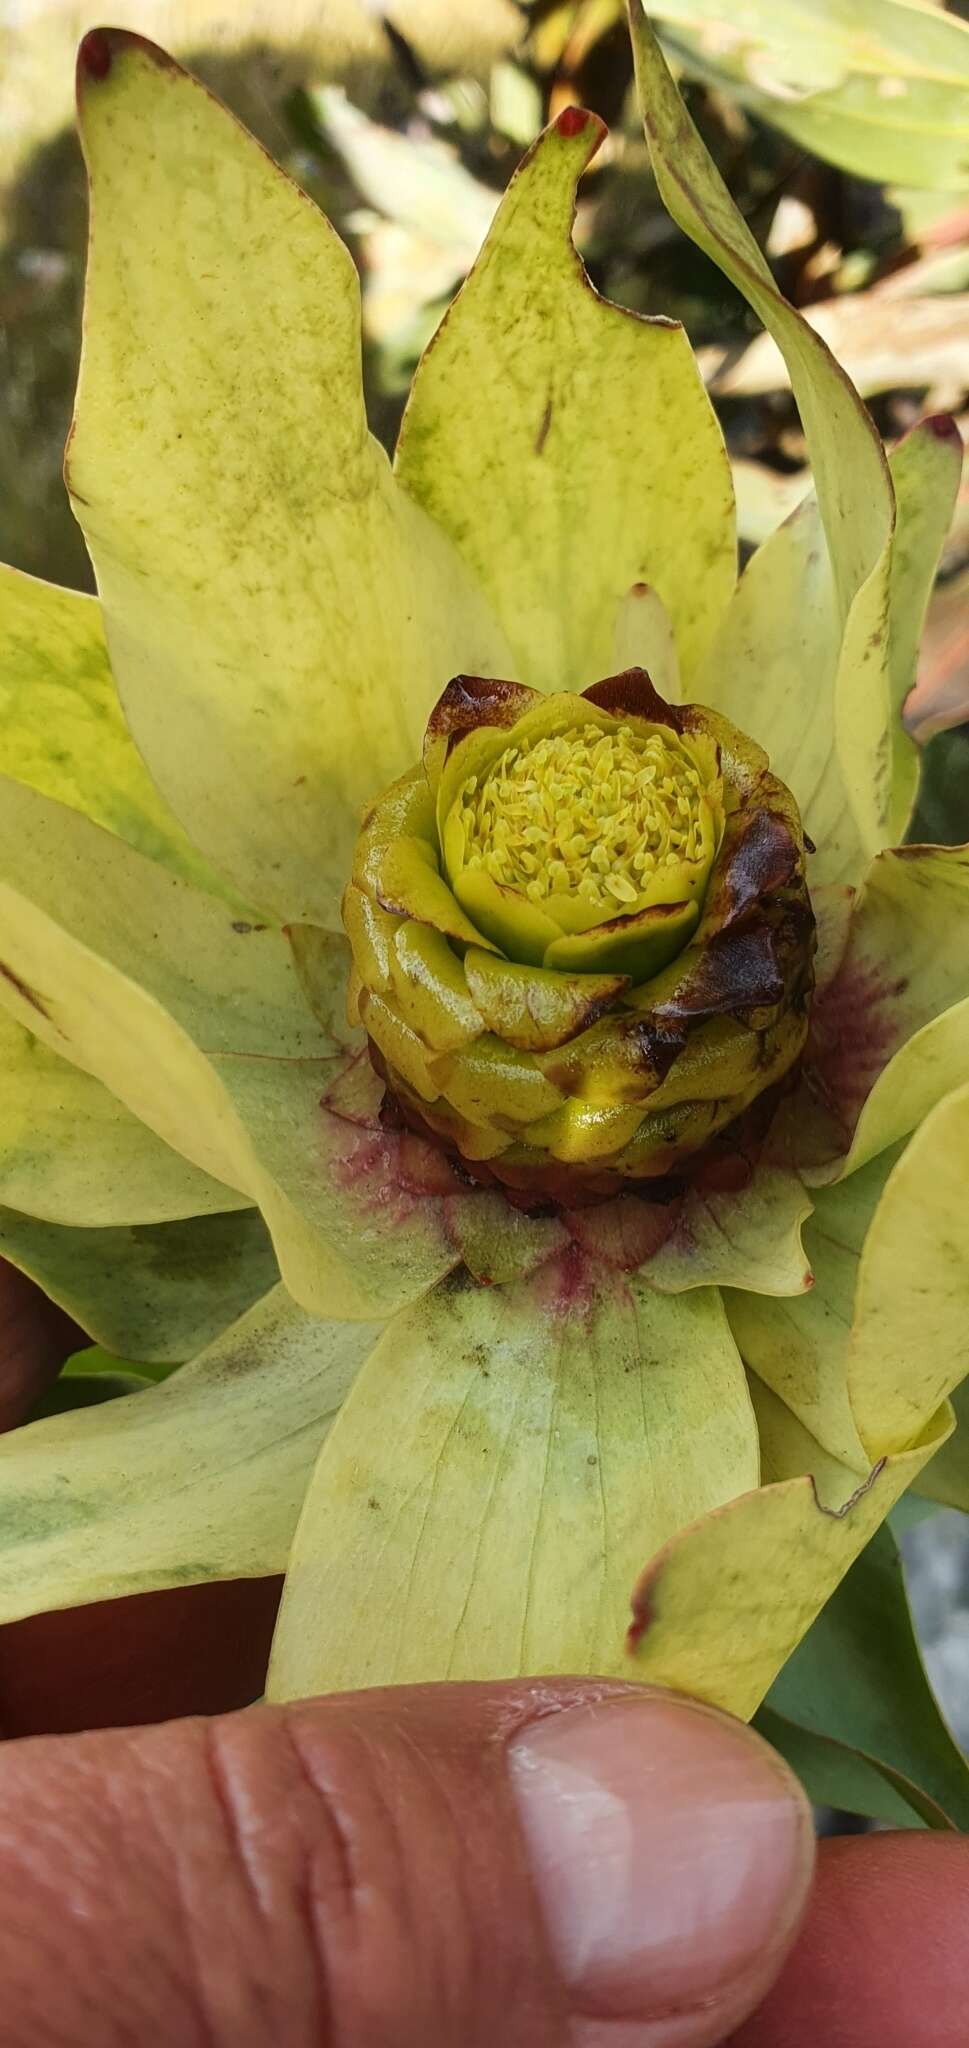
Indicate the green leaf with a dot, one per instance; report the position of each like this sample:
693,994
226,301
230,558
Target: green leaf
155,1291
720,1609
926,472
774,663
87,1390
946,1478
880,87
867,1356
280,617
199,1478
835,1775
566,446
197,1022
747,1237
837,682
773,669
507,1462
62,729
891,1032
912,1300
858,1678
95,1360
94,1375
70,1152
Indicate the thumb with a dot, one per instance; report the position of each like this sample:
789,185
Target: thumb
459,1865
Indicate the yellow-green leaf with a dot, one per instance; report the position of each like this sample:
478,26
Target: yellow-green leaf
157,1291
71,1153
880,87
508,1460
743,1237
891,1031
926,472
61,725
866,1358
797,1346
566,446
197,1022
719,1611
199,1478
844,559
281,618
772,668
908,1343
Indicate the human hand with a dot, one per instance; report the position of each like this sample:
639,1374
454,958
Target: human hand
515,1865
508,1866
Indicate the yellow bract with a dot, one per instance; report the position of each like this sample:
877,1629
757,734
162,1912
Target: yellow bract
582,945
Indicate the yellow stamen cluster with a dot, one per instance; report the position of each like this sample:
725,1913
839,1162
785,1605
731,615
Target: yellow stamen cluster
589,813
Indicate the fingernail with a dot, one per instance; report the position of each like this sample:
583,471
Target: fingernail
672,1852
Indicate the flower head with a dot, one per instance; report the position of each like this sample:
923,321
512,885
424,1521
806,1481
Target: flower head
582,937
577,1304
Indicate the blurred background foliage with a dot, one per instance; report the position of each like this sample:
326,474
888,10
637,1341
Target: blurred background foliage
841,127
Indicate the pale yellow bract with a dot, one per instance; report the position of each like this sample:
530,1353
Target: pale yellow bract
474,1434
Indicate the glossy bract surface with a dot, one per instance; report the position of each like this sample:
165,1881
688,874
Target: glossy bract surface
583,945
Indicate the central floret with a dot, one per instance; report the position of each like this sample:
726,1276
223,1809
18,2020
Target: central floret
588,814
582,942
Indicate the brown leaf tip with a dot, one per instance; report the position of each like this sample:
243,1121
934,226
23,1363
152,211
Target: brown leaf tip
632,694
471,701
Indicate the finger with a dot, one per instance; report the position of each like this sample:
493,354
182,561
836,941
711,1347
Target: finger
463,1865
35,1339
883,1959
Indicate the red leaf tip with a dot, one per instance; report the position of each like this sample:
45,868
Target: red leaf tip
99,48
943,426
94,54
571,122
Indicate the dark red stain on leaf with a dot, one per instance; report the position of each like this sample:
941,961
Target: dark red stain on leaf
855,1029
372,1154
625,1232
569,1282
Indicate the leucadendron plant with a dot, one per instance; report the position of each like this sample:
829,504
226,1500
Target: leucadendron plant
462,1006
